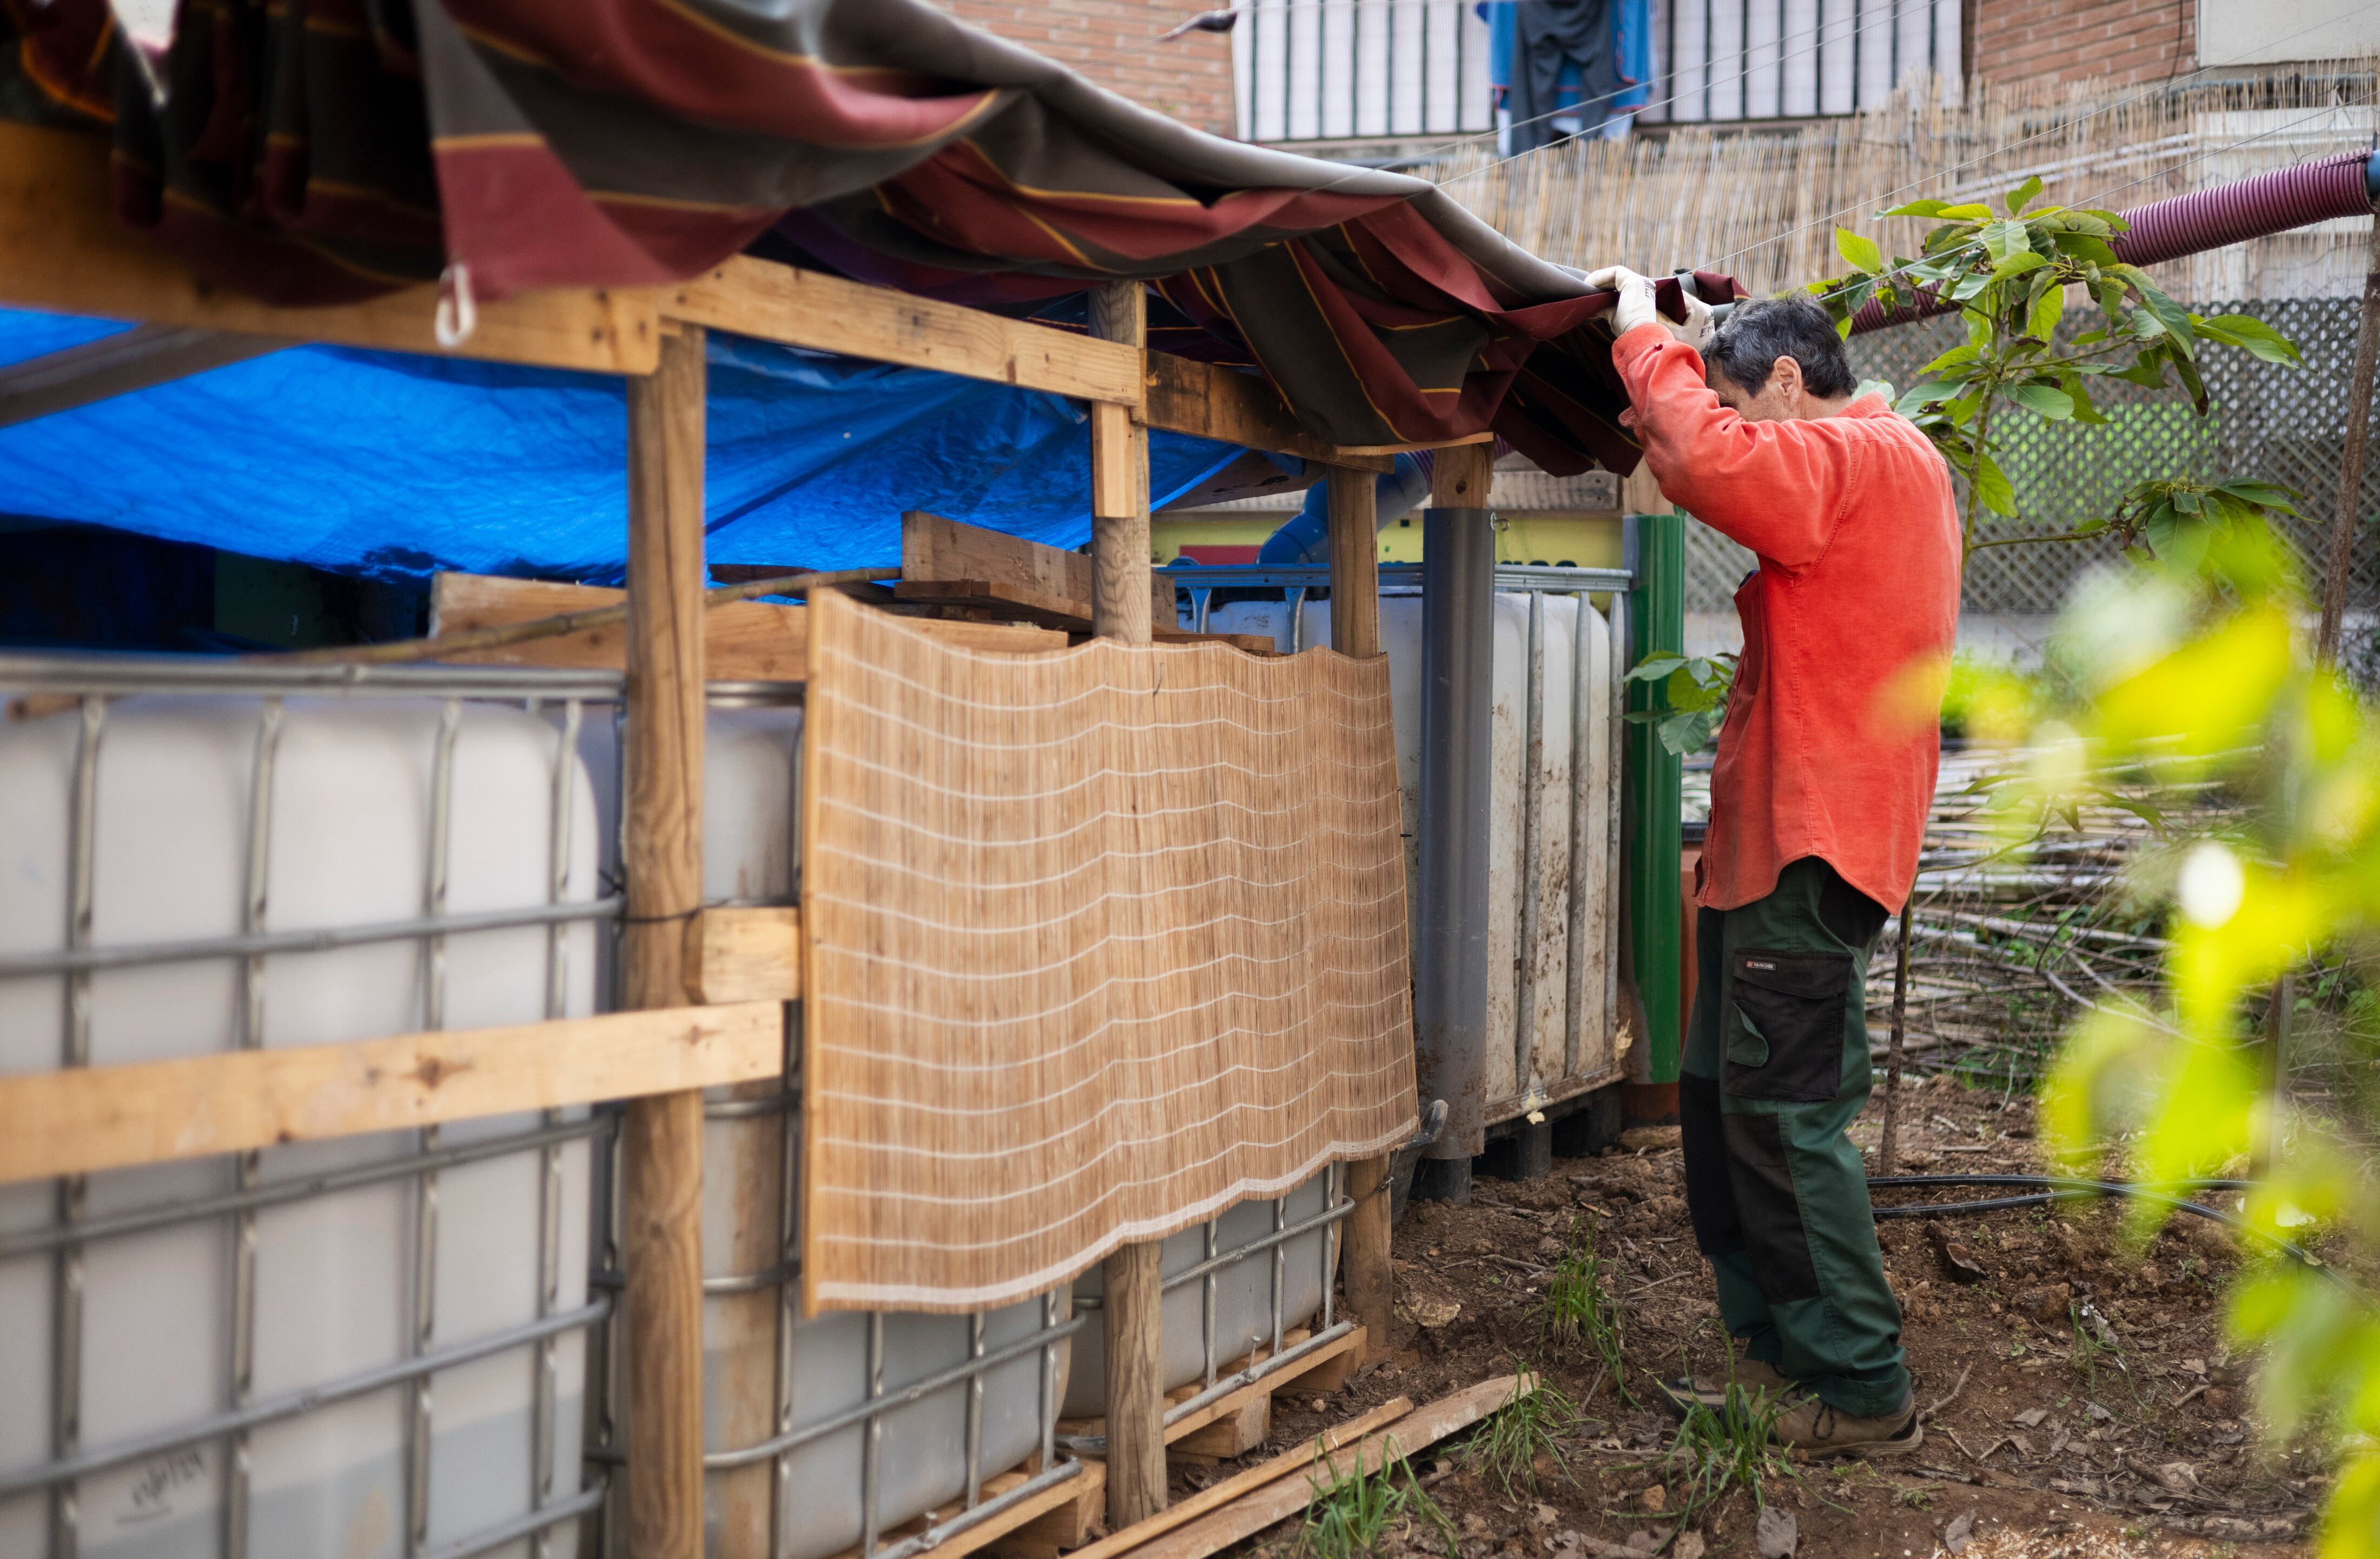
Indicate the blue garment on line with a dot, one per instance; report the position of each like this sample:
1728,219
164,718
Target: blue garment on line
398,465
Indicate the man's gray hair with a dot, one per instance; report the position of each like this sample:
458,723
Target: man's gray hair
1759,332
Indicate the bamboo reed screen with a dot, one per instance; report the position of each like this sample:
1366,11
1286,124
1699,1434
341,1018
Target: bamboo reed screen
1100,942
1761,202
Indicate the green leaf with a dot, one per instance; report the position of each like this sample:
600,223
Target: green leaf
1924,392
1859,249
2252,335
2003,239
2080,394
1876,387
2041,323
2171,315
1683,735
2147,371
2042,400
1654,668
1955,358
1969,213
1992,486
2022,195
2185,502
1917,208
2083,246
2017,264
2264,495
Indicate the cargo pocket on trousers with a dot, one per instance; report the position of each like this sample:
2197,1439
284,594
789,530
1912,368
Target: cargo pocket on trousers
1785,1036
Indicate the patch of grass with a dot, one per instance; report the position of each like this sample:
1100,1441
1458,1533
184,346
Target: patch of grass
1579,1309
1349,1516
1506,1447
1729,1447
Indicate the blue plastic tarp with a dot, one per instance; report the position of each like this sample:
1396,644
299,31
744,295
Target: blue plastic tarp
395,464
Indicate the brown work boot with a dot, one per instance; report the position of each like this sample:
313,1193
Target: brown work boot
1755,1376
1824,1430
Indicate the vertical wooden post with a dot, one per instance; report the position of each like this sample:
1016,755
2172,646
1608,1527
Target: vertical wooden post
1132,1315
661,849
1120,572
1355,630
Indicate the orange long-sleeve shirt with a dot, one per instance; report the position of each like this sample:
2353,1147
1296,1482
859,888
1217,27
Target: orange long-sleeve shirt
1854,606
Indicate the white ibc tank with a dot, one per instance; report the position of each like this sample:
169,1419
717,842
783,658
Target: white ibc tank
1243,1295
751,852
338,1290
1552,973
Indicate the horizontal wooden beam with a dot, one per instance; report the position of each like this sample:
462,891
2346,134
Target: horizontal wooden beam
797,307
118,364
62,249
1236,409
85,1119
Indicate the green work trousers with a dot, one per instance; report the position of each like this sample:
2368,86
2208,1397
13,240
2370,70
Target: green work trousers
1775,1071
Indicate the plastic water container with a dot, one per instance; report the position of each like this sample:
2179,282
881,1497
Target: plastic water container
346,1281
1243,1295
761,1381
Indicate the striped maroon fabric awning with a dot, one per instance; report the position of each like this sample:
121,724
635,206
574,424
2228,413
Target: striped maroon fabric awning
318,150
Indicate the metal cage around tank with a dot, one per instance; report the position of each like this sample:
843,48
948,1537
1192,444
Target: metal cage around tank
87,688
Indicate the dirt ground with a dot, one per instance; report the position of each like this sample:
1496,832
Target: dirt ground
2088,1404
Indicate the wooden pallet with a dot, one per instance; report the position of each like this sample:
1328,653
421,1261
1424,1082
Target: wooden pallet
1062,1516
1237,1422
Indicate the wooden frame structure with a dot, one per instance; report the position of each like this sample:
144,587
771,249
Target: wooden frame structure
62,251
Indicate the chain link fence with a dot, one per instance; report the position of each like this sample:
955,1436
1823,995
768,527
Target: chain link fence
2271,421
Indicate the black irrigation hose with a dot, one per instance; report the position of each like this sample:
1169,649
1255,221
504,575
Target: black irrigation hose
2059,1187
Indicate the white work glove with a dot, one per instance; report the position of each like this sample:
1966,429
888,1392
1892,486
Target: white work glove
1636,306
1635,296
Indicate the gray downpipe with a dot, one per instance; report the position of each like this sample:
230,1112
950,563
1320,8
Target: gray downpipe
1451,875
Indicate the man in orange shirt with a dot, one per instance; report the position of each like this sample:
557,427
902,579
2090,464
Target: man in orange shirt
1818,805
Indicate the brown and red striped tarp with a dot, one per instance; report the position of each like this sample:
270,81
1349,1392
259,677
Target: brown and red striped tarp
312,151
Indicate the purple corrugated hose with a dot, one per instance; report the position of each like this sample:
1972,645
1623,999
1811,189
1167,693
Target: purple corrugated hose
2337,186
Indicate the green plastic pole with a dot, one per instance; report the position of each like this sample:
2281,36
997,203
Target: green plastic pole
1650,798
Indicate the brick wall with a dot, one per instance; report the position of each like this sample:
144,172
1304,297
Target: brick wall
1110,41
2116,42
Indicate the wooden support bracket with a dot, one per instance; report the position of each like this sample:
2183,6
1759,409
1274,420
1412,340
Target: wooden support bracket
85,1119
748,953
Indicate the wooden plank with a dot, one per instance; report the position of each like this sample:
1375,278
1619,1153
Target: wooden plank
743,641
1233,1435
119,365
1116,492
1066,1526
62,249
661,849
783,303
1255,644
1342,453
1284,1496
81,1119
1297,1371
1352,515
1122,593
935,547
1461,477
1064,1500
993,594
750,953
1237,408
1231,1488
